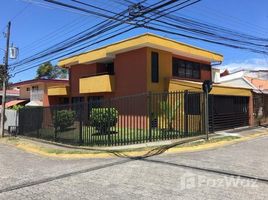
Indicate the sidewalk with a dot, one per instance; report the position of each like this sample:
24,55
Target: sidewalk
57,150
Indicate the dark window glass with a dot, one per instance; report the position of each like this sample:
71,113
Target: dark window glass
94,101
110,68
77,100
186,69
63,100
181,68
189,70
196,71
154,67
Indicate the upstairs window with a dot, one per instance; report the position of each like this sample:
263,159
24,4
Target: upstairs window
110,68
185,69
154,67
35,88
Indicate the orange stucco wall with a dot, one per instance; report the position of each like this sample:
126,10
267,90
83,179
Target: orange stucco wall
130,72
79,71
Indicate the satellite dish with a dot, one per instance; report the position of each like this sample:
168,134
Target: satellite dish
13,52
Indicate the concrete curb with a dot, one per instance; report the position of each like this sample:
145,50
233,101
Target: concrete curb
138,153
121,148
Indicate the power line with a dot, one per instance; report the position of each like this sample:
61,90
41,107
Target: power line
207,33
25,61
97,42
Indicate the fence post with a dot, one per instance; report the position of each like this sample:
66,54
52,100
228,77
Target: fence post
206,114
37,124
150,115
212,112
186,99
109,114
80,124
20,123
56,125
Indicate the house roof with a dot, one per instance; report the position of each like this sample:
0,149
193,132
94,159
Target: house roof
38,81
11,93
258,83
13,103
145,40
34,103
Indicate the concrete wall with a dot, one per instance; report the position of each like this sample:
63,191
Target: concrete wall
11,119
24,94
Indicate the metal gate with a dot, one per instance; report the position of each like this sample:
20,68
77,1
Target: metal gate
227,112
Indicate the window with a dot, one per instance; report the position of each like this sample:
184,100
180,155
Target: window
185,69
77,100
35,88
95,101
154,67
110,68
28,89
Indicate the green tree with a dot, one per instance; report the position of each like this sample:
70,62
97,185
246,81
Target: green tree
49,71
169,111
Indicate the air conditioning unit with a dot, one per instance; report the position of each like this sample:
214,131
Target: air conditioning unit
13,52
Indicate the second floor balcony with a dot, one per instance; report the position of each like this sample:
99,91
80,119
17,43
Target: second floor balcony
96,84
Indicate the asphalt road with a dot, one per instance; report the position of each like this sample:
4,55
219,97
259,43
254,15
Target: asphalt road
238,171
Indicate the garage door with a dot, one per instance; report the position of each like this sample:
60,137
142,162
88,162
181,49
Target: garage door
226,112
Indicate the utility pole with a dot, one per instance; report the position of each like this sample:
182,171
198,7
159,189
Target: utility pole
5,80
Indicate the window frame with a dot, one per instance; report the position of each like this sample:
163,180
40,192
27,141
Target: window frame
186,69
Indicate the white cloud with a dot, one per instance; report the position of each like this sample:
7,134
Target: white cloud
252,64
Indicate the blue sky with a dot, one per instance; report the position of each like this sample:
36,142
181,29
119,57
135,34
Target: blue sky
34,22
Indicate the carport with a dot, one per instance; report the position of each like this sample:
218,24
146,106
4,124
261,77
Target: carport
229,107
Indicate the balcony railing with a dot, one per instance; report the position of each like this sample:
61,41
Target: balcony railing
61,90
37,95
96,84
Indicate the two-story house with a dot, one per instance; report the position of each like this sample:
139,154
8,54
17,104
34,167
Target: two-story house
151,63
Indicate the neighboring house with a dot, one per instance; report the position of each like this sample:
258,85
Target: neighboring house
10,95
150,63
257,82
43,92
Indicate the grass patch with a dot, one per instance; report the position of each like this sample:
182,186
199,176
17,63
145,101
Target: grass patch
27,145
118,136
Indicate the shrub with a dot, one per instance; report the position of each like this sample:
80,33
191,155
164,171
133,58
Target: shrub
17,107
103,119
63,119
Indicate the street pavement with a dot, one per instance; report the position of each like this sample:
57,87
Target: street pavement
238,171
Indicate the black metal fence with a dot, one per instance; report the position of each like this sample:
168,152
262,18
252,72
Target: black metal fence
118,121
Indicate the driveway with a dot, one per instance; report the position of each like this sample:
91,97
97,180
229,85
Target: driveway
225,173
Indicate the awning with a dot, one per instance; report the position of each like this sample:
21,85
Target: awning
34,103
13,103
